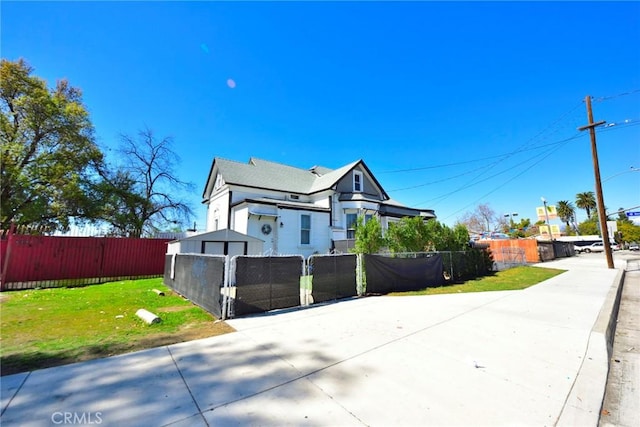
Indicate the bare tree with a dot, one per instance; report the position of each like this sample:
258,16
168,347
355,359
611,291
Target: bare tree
483,218
142,194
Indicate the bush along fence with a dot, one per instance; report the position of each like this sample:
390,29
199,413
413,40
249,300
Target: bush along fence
243,285
32,261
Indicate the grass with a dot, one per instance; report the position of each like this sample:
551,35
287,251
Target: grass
508,280
50,327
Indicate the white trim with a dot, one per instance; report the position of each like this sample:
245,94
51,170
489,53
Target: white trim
360,176
310,229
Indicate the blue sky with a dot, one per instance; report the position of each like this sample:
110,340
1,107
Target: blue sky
450,104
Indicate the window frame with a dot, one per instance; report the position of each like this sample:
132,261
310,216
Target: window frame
351,225
358,180
303,230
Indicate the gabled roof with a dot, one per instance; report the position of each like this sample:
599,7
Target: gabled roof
269,175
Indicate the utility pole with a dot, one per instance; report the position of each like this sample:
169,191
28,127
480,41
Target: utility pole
596,170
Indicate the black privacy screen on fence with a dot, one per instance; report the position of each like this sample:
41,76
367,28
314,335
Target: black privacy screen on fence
266,283
334,277
198,278
386,274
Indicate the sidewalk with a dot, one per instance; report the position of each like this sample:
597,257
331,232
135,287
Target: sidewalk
621,406
532,357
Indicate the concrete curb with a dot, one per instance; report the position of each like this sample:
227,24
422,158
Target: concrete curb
584,402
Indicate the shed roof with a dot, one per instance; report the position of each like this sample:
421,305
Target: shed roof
225,235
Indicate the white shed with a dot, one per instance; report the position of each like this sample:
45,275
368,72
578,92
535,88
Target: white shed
220,242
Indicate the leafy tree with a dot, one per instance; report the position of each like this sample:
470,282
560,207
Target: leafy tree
369,238
566,212
589,227
139,195
413,234
440,237
586,201
523,228
629,231
408,235
47,149
622,216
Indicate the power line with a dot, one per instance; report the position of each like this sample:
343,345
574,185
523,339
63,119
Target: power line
606,98
509,154
559,144
619,124
510,180
522,148
613,126
537,147
469,185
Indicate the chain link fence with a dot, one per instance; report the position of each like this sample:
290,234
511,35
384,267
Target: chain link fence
246,285
332,277
265,283
510,257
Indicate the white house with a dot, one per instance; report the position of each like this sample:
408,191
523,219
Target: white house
297,211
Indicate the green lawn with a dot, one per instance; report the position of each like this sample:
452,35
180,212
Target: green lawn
48,327
508,280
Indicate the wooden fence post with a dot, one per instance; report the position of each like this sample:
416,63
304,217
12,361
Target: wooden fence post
6,256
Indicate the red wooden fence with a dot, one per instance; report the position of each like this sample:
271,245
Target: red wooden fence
530,247
45,261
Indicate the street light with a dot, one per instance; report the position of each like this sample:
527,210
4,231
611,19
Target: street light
633,169
510,216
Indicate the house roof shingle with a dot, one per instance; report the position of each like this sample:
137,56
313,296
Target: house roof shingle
264,174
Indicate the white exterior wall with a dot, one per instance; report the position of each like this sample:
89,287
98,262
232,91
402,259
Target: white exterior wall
221,203
289,233
240,221
254,229
185,247
173,248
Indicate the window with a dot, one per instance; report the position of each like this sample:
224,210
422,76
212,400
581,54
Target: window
352,221
216,219
357,181
305,229
219,182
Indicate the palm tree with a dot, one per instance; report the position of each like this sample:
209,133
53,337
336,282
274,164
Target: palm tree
586,201
566,212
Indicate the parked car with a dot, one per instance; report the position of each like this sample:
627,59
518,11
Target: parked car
634,247
599,247
595,247
578,249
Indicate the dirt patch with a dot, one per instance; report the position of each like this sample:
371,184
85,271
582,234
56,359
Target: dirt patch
22,363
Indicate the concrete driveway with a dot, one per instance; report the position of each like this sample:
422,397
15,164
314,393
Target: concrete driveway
533,357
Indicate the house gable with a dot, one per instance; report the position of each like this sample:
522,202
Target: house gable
360,184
